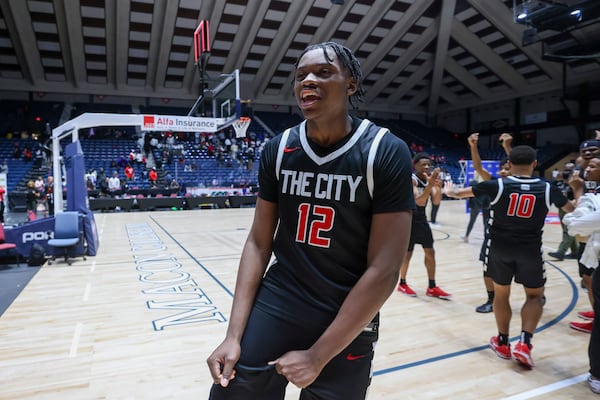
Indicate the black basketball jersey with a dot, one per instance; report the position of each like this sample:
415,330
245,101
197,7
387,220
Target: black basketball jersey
420,215
326,202
519,207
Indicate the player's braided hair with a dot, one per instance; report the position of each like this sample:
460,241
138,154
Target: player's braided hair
348,60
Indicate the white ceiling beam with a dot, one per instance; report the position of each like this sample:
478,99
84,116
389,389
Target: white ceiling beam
117,42
213,12
68,24
402,62
530,90
441,51
18,23
244,38
415,78
419,98
324,32
287,30
476,47
468,80
164,16
501,17
412,14
448,95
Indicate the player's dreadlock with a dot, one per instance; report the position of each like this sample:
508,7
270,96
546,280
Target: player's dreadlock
348,60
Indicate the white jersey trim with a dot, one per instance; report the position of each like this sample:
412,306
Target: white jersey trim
280,151
500,190
371,159
333,155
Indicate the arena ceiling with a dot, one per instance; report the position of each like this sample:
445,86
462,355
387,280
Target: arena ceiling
418,56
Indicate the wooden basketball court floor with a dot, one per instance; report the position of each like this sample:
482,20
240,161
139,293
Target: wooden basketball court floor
138,320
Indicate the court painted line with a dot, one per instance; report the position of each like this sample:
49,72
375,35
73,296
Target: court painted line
208,272
557,319
86,293
548,388
75,341
93,266
561,316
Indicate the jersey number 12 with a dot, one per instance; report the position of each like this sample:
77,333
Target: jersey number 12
313,221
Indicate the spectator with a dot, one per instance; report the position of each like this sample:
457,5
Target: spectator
27,154
114,183
153,177
2,193
31,199
40,185
129,172
16,150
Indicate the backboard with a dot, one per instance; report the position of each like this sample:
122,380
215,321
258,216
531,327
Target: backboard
225,98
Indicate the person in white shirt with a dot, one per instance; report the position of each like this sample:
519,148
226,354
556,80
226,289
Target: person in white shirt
114,183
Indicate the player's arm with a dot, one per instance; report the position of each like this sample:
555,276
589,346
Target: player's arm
387,247
577,184
432,181
568,207
506,139
451,190
585,225
473,140
560,200
254,260
584,207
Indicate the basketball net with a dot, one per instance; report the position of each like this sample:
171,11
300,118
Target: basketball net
241,126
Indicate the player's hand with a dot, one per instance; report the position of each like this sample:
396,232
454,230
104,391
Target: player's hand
449,189
434,178
473,139
576,181
298,367
505,138
222,360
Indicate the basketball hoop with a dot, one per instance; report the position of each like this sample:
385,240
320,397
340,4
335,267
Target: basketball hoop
241,126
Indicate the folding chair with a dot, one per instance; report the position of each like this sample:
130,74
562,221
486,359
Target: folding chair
66,233
7,246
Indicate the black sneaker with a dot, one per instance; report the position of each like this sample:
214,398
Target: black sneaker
485,308
556,255
570,256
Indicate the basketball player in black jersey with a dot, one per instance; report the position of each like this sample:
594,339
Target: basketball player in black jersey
505,140
519,206
334,207
423,183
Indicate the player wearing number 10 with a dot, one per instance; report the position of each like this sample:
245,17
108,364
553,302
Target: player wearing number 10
334,206
518,210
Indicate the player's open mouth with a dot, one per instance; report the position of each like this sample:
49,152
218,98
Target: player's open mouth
308,97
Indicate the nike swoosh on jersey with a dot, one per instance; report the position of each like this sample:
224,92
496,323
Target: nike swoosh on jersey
290,149
351,357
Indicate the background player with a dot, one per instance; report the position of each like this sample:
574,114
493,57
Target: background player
423,184
506,142
519,205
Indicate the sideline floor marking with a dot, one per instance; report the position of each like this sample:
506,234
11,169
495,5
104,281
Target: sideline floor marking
541,328
75,341
548,388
